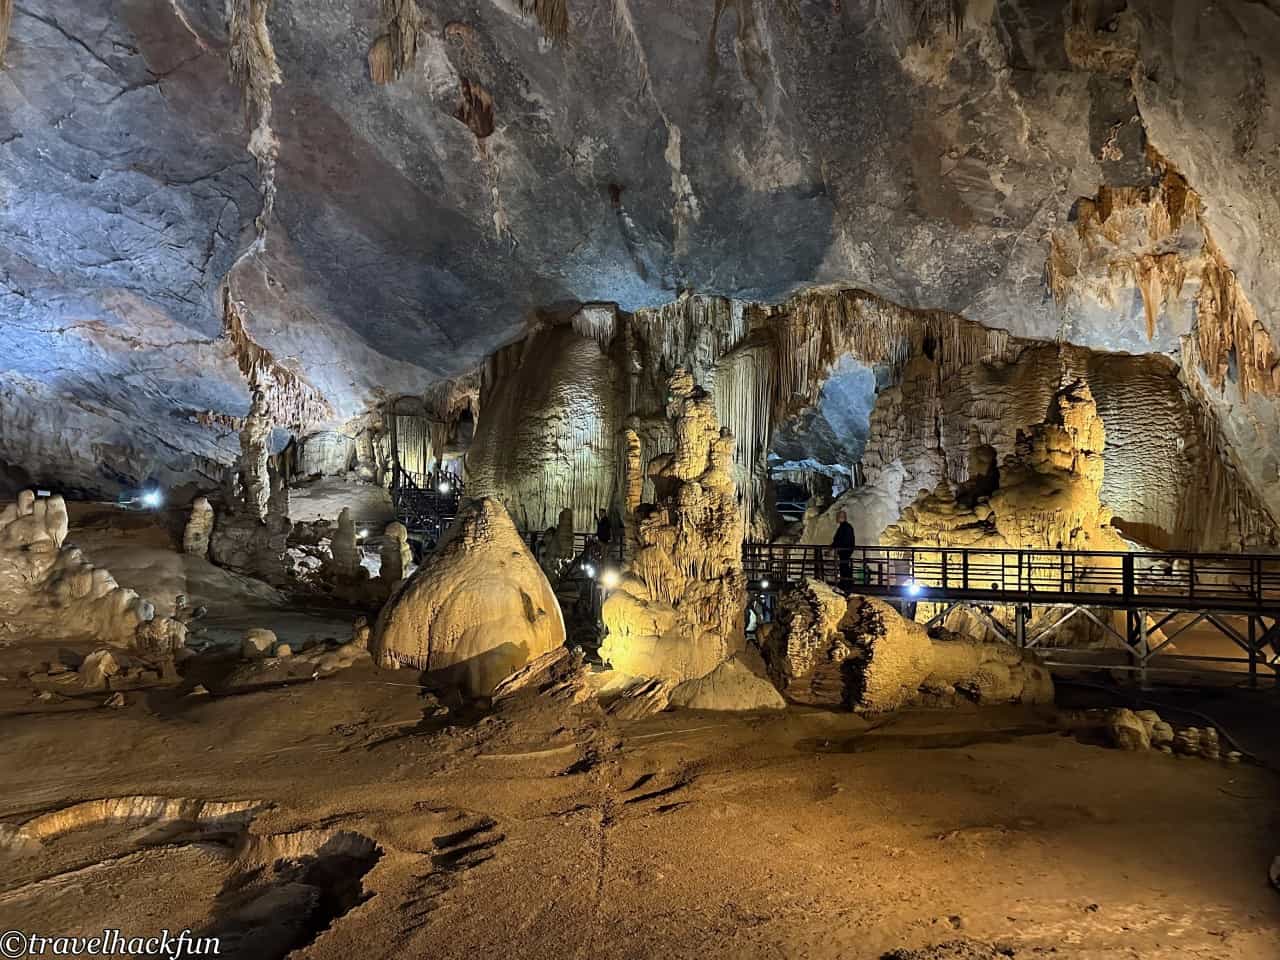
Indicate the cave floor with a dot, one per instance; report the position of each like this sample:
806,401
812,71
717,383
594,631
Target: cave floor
555,833
361,823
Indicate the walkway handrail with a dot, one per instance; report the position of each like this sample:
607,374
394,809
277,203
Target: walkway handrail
1220,581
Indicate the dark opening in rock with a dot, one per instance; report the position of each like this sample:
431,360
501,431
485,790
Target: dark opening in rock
476,109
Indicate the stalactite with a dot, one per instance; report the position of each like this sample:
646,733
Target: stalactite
820,327
624,23
396,49
252,62
1226,323
6,18
1131,229
1158,277
250,55
552,16
291,400
596,321
692,330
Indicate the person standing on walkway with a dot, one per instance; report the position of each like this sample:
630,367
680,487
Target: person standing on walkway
844,541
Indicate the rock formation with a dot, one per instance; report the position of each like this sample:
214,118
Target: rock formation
199,528
1046,494
732,686
862,654
678,611
346,552
477,609
53,592
255,481
395,553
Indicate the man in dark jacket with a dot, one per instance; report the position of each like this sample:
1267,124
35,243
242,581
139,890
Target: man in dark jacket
604,529
844,542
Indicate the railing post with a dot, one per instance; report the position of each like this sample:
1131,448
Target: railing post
1253,652
1144,648
964,570
944,568
1020,624
1126,576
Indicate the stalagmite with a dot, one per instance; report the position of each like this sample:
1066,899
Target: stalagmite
195,537
395,552
51,591
255,482
477,610
1048,495
346,554
677,613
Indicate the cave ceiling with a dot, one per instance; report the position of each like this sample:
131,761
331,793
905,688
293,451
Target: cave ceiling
921,150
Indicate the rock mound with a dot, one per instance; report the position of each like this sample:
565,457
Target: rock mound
477,610
730,686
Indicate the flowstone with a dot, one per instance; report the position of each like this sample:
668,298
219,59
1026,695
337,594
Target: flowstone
51,591
677,613
477,610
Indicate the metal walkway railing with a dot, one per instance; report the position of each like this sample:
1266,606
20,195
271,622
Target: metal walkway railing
426,503
1236,595
1220,582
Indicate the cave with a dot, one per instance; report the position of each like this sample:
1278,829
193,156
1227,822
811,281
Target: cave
637,479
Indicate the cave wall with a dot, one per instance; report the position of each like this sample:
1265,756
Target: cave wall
378,238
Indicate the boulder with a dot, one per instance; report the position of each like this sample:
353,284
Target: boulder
97,668
559,674
258,643
477,610
642,698
897,655
1127,731
730,686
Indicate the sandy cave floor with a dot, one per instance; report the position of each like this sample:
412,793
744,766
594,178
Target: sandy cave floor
363,826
